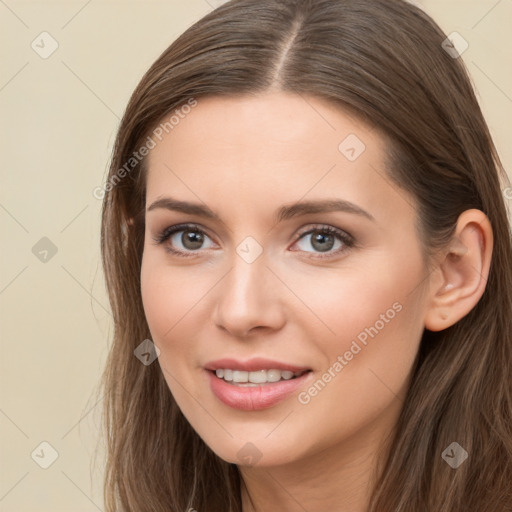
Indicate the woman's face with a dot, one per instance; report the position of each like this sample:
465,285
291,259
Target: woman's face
260,291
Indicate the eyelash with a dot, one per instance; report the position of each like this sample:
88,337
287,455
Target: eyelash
164,235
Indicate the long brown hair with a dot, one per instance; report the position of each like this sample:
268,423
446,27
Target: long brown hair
384,61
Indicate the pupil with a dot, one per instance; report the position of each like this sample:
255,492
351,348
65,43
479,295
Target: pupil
321,239
192,239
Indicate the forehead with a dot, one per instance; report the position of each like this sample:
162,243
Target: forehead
269,125
274,147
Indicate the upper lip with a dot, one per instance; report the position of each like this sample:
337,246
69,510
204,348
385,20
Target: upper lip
252,365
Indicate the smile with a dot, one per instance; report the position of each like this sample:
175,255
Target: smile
245,395
246,378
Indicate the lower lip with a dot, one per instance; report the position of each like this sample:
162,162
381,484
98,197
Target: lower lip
255,398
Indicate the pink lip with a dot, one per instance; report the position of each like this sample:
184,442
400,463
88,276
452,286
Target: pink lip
255,398
253,365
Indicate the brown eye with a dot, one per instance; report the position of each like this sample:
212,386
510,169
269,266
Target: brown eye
192,240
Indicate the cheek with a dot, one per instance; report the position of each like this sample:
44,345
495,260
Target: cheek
376,316
373,323
159,299
367,374
359,302
174,306
167,306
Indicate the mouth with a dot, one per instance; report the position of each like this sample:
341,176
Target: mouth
245,378
255,384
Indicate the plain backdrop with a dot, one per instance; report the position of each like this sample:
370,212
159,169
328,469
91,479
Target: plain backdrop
59,116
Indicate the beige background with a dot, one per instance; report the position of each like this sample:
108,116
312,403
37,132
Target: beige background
59,118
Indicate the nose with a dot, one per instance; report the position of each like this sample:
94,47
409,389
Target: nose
249,299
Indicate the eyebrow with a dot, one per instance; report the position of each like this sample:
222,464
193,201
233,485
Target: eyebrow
284,213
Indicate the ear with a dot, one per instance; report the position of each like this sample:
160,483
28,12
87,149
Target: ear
458,281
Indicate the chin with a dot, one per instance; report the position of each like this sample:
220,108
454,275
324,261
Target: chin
257,451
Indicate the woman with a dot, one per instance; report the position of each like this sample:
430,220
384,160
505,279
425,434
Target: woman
309,263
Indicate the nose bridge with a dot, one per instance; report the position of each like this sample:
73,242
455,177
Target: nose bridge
246,297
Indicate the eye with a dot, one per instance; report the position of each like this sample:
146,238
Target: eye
185,239
323,239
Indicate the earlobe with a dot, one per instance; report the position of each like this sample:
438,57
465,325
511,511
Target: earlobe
460,278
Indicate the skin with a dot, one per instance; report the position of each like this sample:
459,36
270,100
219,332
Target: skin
245,157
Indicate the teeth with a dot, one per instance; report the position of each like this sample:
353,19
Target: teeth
273,375
257,377
239,376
